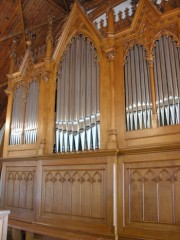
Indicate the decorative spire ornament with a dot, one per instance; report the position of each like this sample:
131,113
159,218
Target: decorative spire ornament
49,38
13,55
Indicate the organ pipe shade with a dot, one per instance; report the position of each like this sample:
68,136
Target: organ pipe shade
31,117
167,80
77,111
137,90
24,115
17,116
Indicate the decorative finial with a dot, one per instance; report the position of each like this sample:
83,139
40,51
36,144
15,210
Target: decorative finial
30,37
110,20
49,39
13,54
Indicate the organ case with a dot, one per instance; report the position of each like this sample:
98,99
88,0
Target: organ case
114,161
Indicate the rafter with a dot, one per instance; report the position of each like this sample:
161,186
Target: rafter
3,84
100,7
94,3
57,5
21,32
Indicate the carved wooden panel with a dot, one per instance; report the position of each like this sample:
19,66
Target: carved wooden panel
79,191
20,187
153,194
126,20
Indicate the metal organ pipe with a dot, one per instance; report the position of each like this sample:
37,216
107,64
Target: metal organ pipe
31,117
29,125
138,100
77,114
17,116
167,79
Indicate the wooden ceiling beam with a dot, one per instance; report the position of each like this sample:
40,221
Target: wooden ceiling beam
10,36
58,6
91,4
94,3
21,32
102,8
3,84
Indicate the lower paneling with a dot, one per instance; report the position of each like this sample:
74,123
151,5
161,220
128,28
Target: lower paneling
150,195
68,194
73,197
18,190
78,191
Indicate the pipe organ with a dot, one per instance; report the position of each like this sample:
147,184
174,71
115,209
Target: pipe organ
138,97
31,117
68,174
17,116
77,112
167,79
137,82
24,121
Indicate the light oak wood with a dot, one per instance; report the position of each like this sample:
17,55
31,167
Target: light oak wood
79,195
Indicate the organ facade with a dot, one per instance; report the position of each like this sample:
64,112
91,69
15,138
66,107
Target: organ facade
91,148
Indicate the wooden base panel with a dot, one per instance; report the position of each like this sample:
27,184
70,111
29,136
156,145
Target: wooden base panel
56,232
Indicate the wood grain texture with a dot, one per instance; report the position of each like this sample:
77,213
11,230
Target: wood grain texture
71,196
150,194
53,193
78,192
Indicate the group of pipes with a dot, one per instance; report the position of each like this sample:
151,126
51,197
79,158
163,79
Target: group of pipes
167,81
31,119
17,116
77,105
138,97
24,122
77,108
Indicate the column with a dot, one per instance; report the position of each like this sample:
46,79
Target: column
153,90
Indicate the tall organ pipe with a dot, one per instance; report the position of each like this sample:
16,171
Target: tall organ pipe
167,79
138,97
17,116
77,114
29,125
31,117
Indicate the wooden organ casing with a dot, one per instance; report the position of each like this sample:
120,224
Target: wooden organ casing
129,187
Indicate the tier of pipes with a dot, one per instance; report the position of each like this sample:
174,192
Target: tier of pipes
77,108
17,116
24,120
138,97
167,81
31,118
